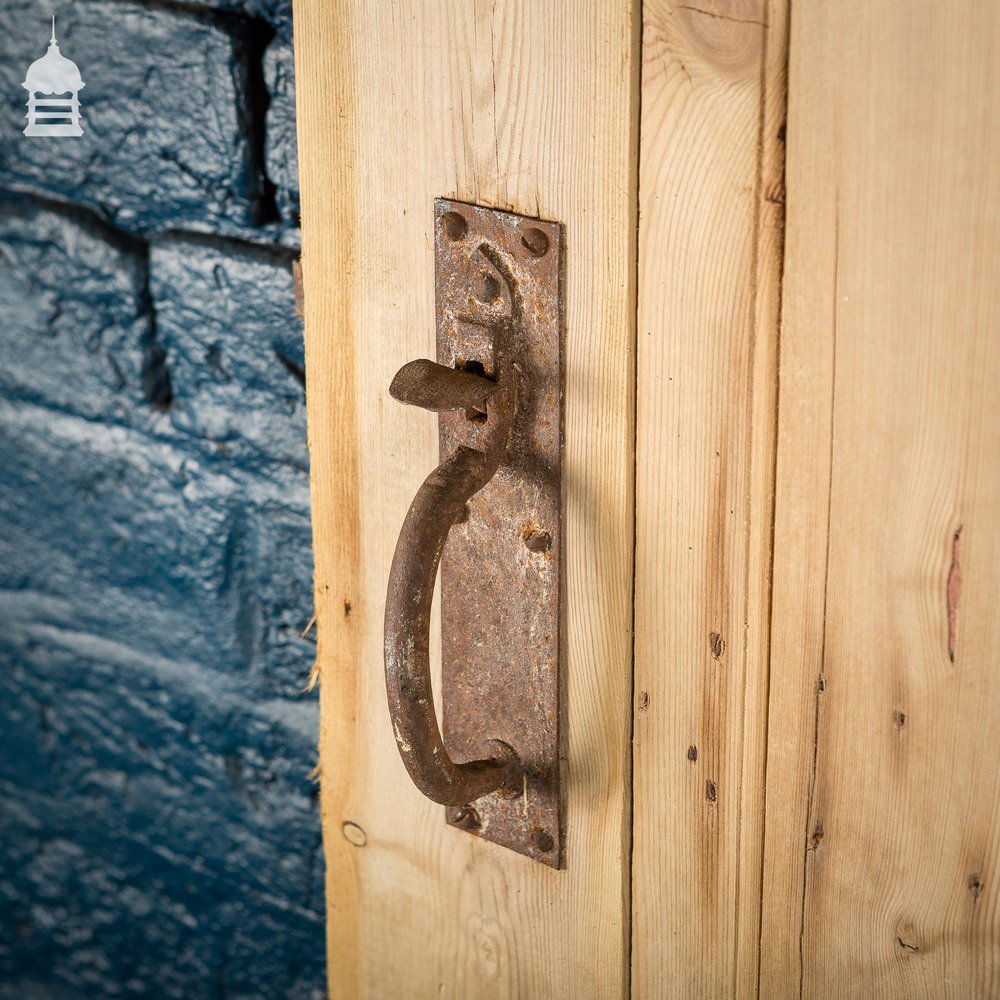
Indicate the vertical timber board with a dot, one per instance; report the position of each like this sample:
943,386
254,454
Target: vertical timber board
531,107
711,217
882,870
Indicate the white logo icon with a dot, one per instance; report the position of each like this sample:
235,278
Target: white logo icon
56,76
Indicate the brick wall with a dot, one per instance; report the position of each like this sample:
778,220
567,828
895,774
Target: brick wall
159,833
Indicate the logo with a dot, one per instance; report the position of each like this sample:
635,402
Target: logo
53,84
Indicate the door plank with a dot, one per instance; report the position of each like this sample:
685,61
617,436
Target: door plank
525,106
711,217
882,873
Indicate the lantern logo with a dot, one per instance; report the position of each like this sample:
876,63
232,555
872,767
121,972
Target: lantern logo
53,84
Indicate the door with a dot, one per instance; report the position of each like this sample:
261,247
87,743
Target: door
780,487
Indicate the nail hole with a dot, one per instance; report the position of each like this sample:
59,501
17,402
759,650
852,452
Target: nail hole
711,791
538,541
454,225
535,242
543,841
692,753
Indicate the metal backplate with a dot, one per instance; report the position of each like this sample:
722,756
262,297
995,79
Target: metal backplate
500,572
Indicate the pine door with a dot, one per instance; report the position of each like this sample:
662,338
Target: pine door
780,633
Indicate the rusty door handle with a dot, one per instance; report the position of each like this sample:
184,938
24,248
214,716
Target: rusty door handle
439,503
488,521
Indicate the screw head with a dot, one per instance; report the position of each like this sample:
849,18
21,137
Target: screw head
466,818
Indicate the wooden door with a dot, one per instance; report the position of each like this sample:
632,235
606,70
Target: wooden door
781,477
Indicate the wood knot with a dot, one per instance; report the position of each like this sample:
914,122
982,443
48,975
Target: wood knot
353,833
976,885
817,836
717,644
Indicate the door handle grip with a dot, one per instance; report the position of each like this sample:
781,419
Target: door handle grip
439,503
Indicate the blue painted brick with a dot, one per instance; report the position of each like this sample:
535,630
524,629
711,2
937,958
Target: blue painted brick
281,150
75,321
164,145
275,12
150,665
160,836
225,317
168,845
182,552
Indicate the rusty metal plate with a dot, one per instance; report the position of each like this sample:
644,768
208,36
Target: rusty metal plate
500,572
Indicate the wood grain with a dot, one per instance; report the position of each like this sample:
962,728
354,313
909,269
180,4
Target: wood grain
711,199
532,107
882,872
